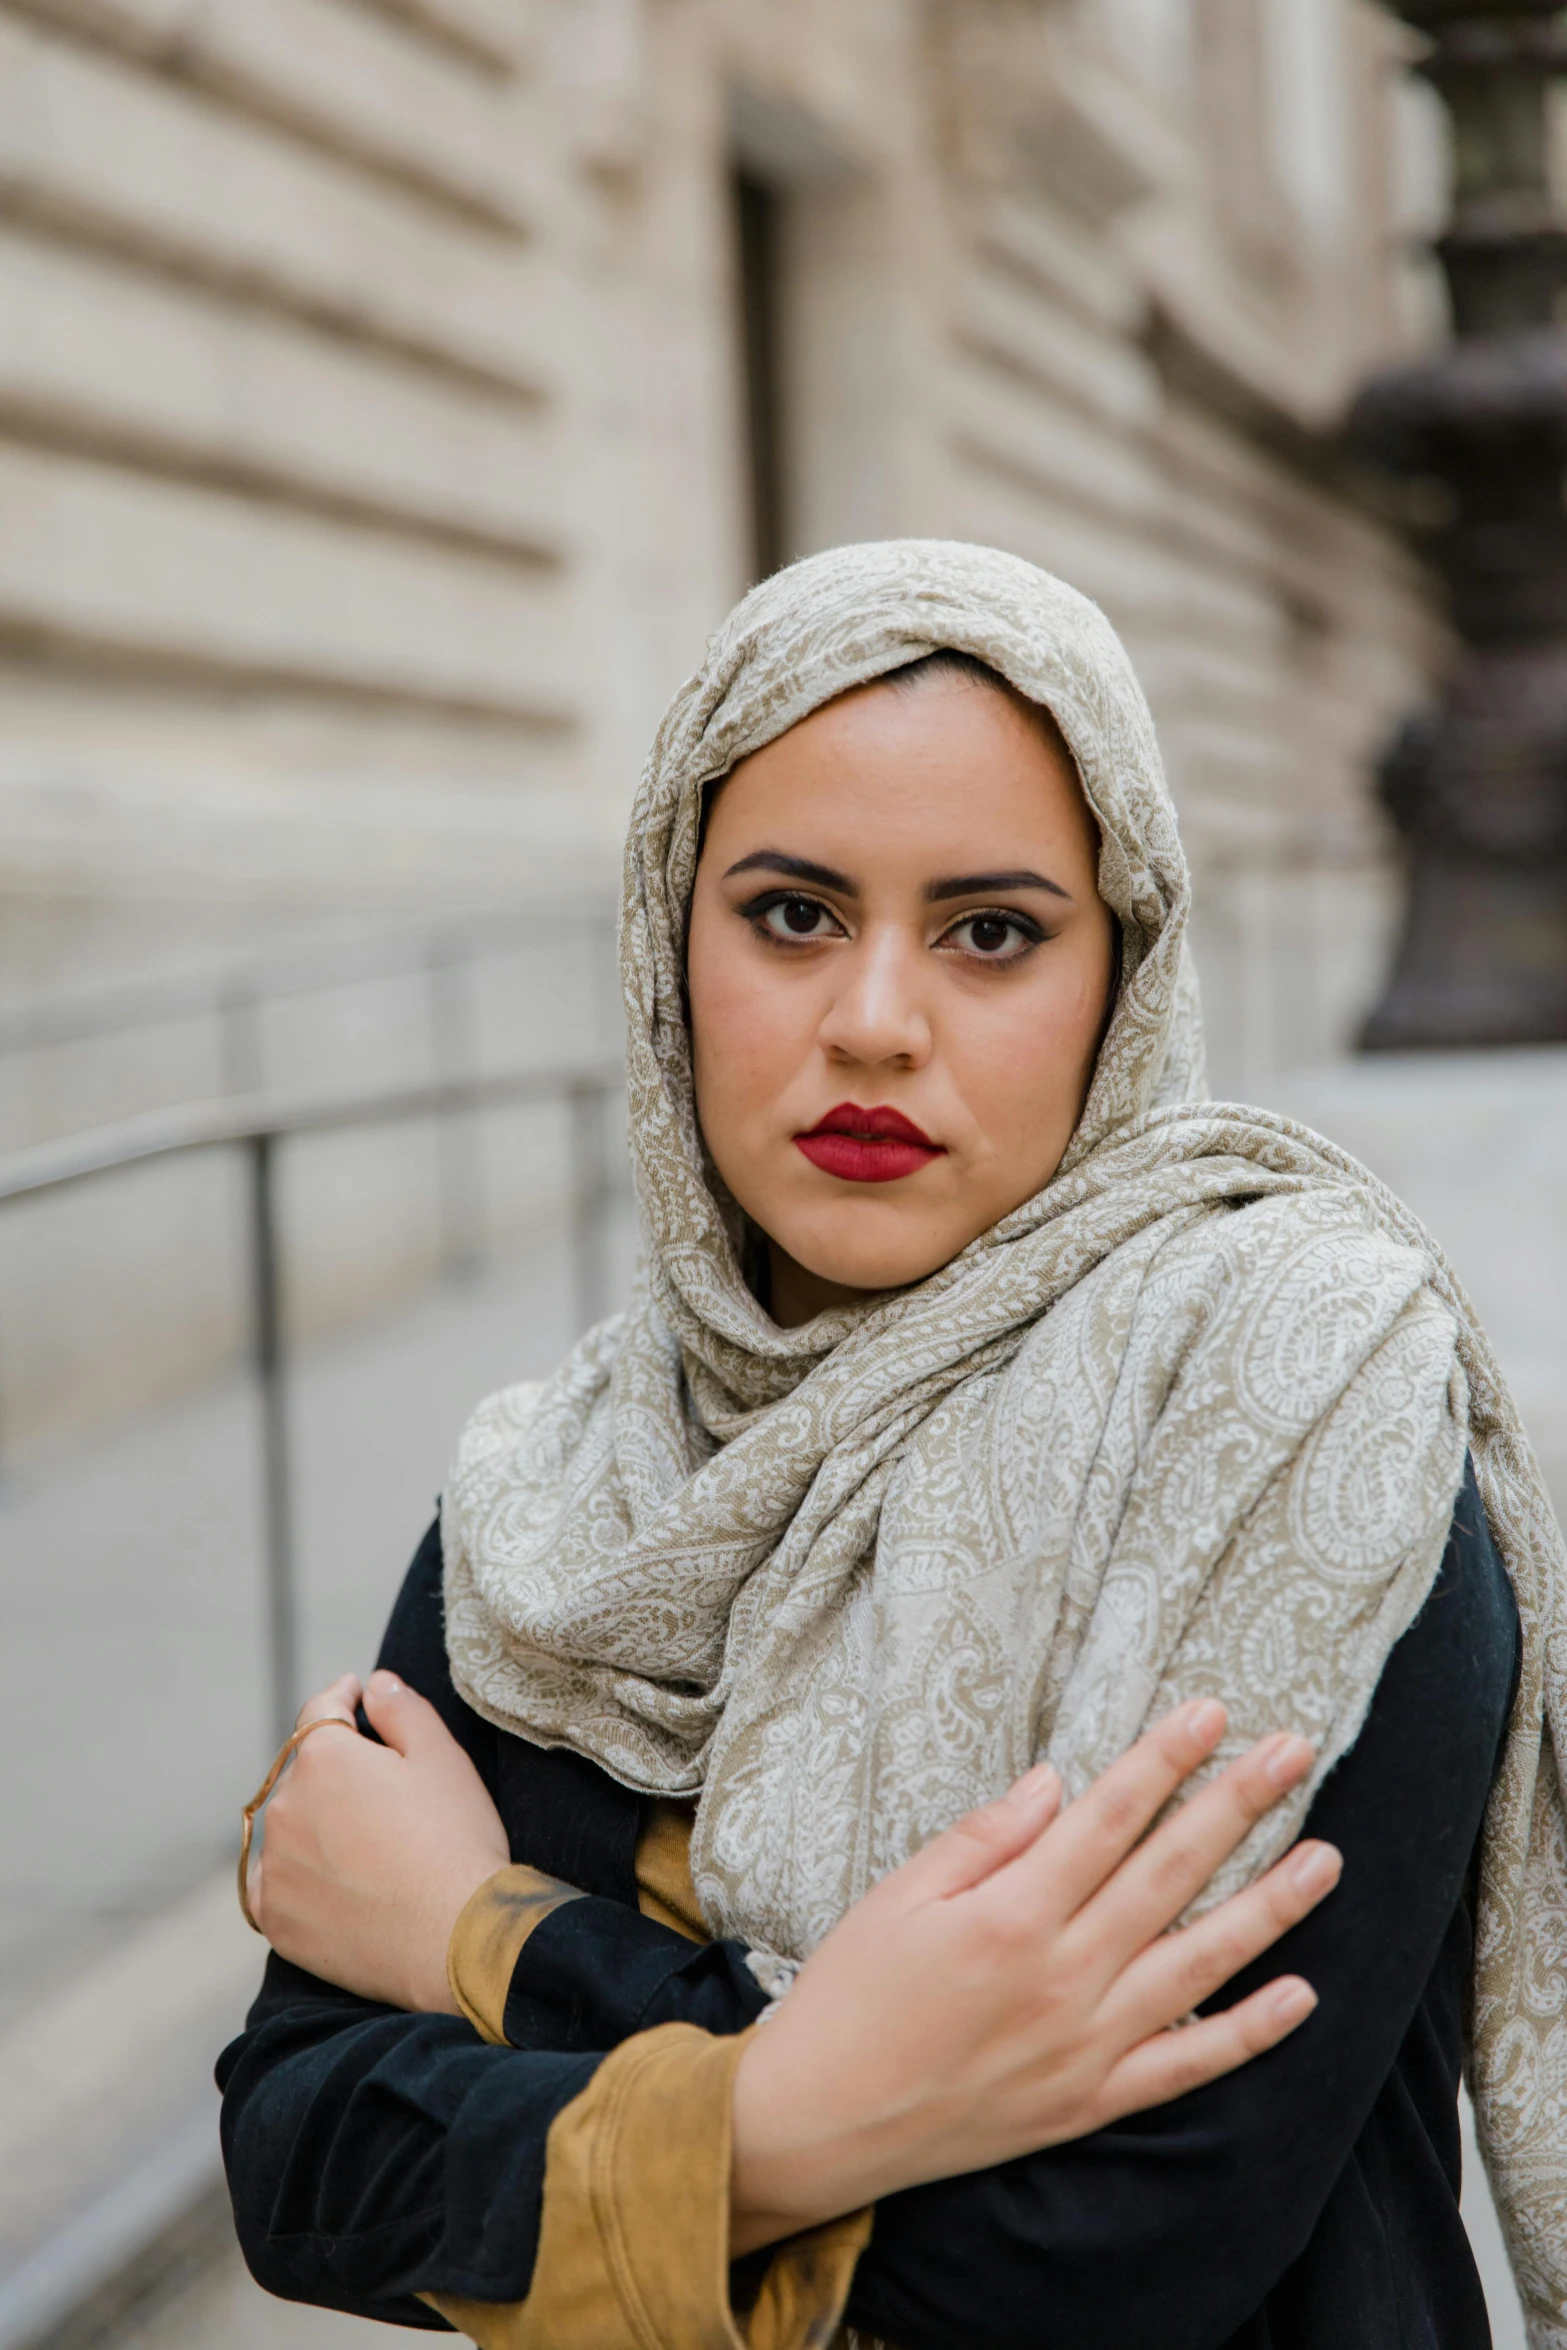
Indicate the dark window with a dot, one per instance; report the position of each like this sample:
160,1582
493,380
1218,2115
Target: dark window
758,216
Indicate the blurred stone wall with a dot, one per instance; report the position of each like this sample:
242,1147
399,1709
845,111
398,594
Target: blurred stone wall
379,438
370,432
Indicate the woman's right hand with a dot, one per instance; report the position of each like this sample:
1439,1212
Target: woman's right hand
1012,1985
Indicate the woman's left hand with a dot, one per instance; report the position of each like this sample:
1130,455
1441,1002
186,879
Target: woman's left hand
370,1852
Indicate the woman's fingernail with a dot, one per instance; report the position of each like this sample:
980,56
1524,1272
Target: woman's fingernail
1315,1869
1034,1786
1293,2000
1288,1758
1206,1720
385,1684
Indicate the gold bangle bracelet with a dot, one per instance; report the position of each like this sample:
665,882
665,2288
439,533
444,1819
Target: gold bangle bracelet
247,1818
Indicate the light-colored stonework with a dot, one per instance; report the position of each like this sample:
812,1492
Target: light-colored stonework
370,432
374,460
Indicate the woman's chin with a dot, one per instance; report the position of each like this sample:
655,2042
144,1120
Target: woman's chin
870,1270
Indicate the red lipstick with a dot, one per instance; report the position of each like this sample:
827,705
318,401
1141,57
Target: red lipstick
867,1145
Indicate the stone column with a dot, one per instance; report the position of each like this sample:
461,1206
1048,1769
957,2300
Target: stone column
1477,784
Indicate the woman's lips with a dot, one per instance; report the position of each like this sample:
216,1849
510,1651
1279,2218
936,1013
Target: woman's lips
867,1145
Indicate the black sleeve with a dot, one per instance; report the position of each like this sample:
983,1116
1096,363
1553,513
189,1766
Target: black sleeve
374,2155
1168,2230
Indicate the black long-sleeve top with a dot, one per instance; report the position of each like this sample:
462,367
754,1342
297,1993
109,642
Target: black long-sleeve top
1307,2202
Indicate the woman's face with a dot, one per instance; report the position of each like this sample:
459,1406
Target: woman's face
899,969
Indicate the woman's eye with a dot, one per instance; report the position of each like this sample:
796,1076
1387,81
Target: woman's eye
797,918
996,938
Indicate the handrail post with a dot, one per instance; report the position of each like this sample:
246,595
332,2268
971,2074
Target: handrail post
276,1493
449,982
589,1188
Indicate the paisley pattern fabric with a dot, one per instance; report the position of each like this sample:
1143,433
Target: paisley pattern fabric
1191,1420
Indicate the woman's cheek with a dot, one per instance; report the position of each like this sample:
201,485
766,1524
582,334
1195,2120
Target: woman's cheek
1023,1080
1027,1063
745,1055
759,1055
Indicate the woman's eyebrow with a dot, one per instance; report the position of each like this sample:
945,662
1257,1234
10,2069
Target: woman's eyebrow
976,885
797,868
955,885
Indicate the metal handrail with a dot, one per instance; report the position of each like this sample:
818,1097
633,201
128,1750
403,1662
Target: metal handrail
258,1127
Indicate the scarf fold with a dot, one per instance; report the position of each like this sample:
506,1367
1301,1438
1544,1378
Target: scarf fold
1192,1420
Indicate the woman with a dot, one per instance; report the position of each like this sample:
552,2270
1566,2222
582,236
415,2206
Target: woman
984,1396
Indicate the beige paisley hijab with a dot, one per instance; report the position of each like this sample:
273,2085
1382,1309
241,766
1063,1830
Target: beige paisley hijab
1191,1420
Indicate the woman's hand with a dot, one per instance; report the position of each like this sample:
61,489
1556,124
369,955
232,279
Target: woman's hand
371,1851
1010,1986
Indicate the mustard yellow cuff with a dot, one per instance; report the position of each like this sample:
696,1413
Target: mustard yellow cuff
488,1937
802,2299
634,2242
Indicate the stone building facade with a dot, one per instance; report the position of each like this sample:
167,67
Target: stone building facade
394,392
376,445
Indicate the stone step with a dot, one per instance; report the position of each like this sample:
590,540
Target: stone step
108,2114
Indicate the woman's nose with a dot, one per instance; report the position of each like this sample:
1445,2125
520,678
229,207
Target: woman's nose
878,1012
